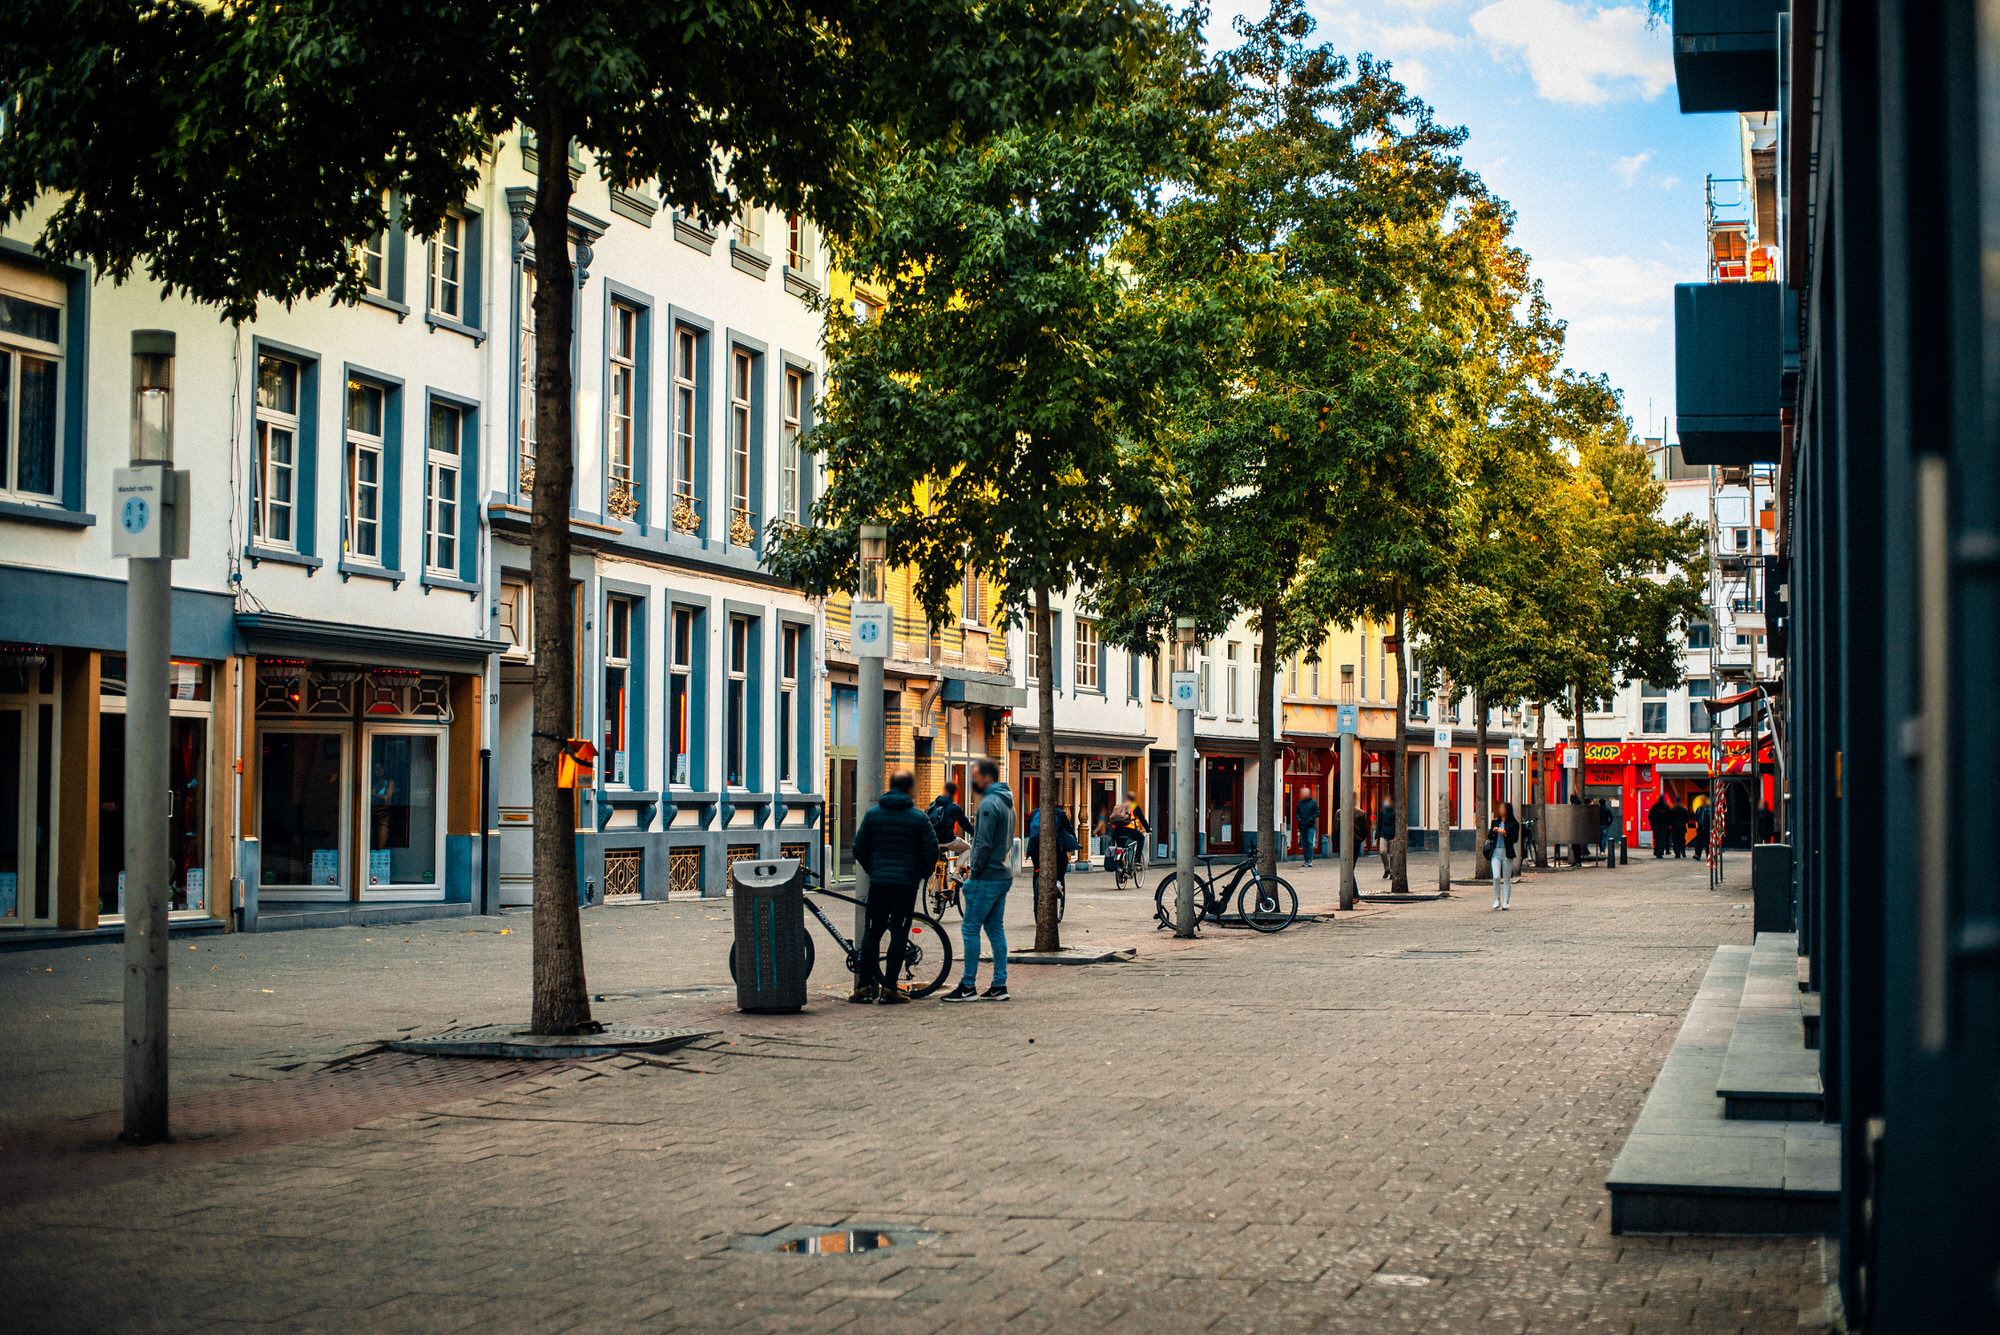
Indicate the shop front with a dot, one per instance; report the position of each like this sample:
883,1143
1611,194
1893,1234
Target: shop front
361,784
1631,776
1312,769
1093,773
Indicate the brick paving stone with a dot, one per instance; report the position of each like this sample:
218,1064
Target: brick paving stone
1238,1133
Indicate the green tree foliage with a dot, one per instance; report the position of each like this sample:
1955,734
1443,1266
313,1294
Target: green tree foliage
1340,248
1001,411
239,151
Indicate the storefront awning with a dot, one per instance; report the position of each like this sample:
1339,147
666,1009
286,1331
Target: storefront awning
1226,746
1081,743
983,688
373,646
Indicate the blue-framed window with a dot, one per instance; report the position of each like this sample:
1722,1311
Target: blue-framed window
371,472
795,414
44,312
284,454
794,705
452,274
383,258
744,432
687,695
624,689
687,481
450,526
742,743
627,407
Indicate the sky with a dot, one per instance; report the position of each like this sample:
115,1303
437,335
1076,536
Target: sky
1573,120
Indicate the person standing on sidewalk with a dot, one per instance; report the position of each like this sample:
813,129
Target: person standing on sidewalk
1385,832
1501,842
1658,817
989,876
898,848
1306,816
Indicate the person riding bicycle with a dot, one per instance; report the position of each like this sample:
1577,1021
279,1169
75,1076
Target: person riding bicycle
1066,844
1125,824
948,818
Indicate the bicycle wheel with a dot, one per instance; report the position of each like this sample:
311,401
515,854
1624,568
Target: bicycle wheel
927,962
1268,906
1166,901
807,938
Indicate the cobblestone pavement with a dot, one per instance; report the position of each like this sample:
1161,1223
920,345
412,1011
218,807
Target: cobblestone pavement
1398,1120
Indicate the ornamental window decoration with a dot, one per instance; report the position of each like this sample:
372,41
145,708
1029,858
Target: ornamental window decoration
684,871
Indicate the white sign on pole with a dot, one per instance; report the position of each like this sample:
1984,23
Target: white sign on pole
1184,690
139,506
1516,747
1444,739
871,629
1349,720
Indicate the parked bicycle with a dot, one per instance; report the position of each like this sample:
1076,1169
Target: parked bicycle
925,966
946,889
1264,905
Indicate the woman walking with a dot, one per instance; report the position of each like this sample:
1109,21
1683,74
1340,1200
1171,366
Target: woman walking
1501,842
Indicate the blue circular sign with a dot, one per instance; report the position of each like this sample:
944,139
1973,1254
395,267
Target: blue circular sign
870,632
135,514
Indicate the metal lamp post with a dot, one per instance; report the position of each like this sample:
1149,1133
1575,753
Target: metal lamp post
1185,693
1349,717
151,501
872,632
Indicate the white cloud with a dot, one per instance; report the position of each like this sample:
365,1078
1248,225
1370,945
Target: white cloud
1577,53
1356,29
1628,168
1602,294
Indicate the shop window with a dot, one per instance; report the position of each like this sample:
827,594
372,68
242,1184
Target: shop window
690,442
618,616
682,718
406,834
1088,655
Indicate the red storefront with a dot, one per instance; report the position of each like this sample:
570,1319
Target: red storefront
1632,774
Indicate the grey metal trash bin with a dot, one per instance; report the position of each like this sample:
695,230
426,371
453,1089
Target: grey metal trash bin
769,958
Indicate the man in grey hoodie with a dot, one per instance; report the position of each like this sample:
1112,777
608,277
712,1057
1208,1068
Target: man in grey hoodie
988,878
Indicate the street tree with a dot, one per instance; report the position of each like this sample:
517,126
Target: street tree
1001,411
242,151
1327,237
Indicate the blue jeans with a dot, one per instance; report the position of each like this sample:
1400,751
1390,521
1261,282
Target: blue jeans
985,906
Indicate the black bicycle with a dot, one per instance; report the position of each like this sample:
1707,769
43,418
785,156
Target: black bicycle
926,963
1121,859
1263,905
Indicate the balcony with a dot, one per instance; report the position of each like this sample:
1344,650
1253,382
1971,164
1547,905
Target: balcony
1726,54
1728,371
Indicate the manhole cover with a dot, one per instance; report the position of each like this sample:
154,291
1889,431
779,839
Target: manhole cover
513,1040
836,1240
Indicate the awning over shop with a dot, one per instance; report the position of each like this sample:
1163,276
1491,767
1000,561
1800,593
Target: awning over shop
1081,743
1226,746
280,633
964,687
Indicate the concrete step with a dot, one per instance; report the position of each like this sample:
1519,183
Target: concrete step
1686,1168
1768,1073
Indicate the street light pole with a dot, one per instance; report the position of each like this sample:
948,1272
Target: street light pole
151,501
872,632
1349,716
1184,827
1447,817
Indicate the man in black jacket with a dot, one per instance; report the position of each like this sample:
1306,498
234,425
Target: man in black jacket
898,848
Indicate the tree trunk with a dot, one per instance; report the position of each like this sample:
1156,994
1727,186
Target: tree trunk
1048,933
561,1001
1267,742
1482,791
1399,846
1541,788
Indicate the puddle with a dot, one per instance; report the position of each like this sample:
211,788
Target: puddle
839,1244
822,1240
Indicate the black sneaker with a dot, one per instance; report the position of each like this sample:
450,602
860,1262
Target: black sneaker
862,996
963,992
997,992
